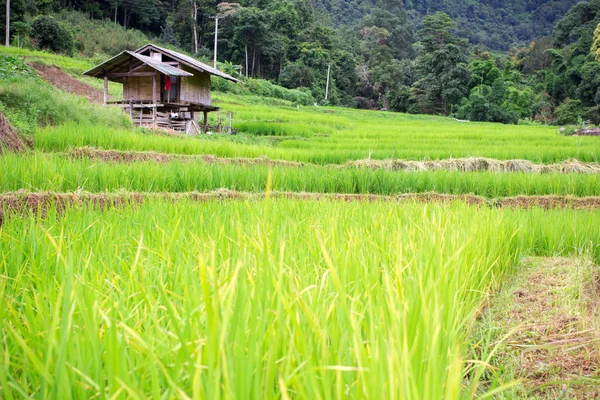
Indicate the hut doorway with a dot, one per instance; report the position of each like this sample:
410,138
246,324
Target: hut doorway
169,89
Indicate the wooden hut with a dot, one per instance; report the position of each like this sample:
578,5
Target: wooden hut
161,87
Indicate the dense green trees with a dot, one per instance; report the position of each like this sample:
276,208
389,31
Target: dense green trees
404,55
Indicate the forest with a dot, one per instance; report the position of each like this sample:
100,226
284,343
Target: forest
489,60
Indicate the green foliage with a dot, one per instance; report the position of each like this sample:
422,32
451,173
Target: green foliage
30,103
261,87
49,34
11,67
442,65
100,38
569,112
596,45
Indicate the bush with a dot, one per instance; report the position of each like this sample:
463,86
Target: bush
592,114
48,34
93,37
264,88
569,112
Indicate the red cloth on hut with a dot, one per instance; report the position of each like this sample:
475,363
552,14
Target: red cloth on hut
167,83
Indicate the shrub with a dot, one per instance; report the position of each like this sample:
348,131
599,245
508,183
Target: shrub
569,112
48,34
264,88
93,37
592,114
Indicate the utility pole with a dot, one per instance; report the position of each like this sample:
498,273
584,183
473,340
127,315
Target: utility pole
327,86
7,42
216,18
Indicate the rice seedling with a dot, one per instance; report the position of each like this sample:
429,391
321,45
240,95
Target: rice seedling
39,171
263,299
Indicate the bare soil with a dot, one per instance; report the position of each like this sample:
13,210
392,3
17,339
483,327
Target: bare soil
587,132
10,140
56,77
38,203
556,347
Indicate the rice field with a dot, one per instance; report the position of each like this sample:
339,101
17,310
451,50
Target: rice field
319,137
260,300
293,273
48,172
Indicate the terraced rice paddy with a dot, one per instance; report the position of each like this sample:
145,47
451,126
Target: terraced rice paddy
319,254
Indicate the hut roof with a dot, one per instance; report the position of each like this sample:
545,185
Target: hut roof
120,62
187,60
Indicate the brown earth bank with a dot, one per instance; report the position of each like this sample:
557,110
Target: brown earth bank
554,349
56,77
10,140
141,156
21,202
459,164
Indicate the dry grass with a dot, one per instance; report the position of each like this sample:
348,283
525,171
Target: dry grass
10,140
453,164
552,308
478,164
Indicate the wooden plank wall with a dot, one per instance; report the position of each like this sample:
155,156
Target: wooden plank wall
139,87
195,89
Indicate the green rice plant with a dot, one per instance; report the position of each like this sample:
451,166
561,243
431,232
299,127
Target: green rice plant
322,138
267,299
40,171
282,129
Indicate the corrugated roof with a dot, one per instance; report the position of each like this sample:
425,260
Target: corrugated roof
192,62
160,66
152,63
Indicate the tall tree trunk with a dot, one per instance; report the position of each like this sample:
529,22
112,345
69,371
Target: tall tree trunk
116,9
195,19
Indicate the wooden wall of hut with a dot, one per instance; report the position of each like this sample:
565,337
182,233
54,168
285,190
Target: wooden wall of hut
139,88
195,89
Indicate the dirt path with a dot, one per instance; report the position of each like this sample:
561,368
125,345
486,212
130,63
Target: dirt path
54,76
38,202
10,140
551,309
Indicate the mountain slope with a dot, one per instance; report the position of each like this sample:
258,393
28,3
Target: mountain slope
498,24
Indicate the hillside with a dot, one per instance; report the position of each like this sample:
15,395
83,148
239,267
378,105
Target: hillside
442,58
496,24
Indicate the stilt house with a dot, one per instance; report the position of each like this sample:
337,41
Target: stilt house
161,87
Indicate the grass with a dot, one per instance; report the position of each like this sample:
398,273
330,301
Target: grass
259,300
316,140
40,171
